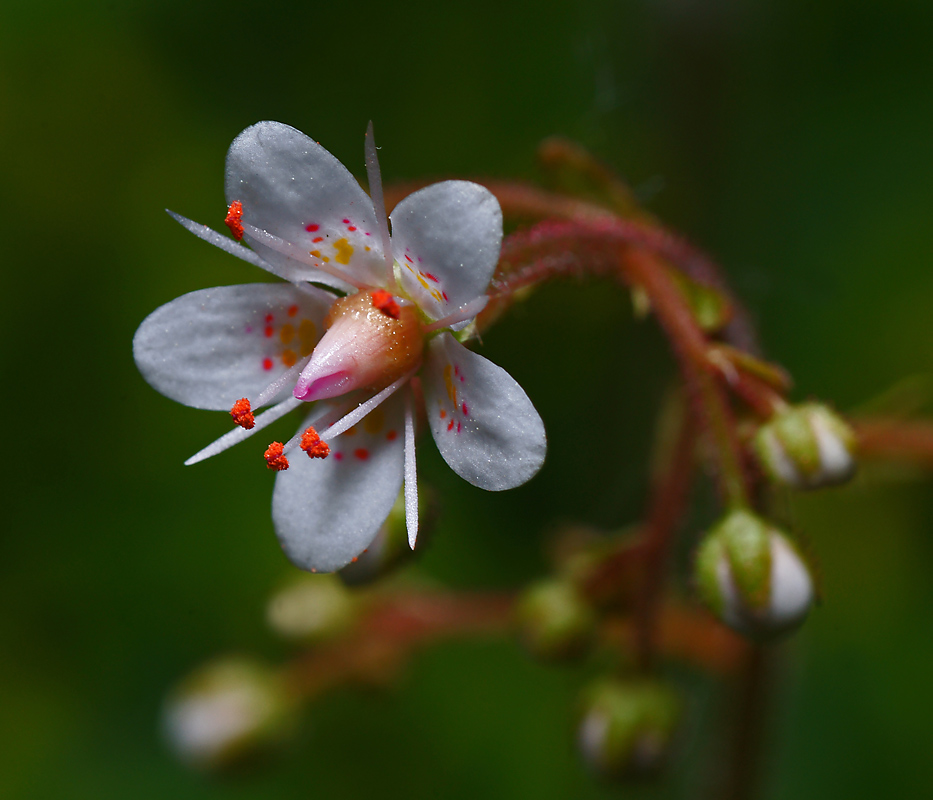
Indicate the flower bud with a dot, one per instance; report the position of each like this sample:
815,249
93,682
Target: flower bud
753,577
627,727
806,447
312,608
554,621
225,711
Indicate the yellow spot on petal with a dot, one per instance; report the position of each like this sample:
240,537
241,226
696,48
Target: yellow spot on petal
423,282
374,421
344,251
325,259
289,358
307,336
449,382
351,431
367,248
316,253
287,333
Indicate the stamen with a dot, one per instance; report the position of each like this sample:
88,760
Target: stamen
275,460
462,314
237,435
238,250
379,206
242,414
385,302
311,443
288,377
411,476
234,220
364,408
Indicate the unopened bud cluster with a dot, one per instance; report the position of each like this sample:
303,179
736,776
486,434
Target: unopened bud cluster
627,727
225,711
806,447
753,577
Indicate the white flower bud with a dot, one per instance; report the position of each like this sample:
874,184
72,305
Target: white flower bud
312,607
627,727
753,577
225,710
806,447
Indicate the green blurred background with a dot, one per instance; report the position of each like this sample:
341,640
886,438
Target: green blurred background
790,139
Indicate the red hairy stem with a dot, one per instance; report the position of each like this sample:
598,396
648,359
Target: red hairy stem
669,495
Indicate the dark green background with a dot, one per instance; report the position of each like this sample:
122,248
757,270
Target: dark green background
791,139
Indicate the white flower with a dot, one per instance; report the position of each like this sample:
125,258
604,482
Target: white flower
239,348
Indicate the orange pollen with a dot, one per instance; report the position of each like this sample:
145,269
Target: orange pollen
311,443
275,457
234,220
242,414
385,302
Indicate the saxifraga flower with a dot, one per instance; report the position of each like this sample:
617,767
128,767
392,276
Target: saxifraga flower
349,356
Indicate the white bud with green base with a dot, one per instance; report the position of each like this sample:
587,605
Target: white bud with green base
806,447
626,727
753,577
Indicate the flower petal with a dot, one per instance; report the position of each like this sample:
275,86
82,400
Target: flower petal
295,190
484,424
446,237
326,512
211,347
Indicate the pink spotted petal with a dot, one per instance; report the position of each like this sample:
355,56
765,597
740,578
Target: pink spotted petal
211,347
327,511
483,423
302,196
446,239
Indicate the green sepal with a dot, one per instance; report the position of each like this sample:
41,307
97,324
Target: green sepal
747,542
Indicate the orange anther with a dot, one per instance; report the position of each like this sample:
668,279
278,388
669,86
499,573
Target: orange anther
312,444
234,220
242,414
275,457
385,302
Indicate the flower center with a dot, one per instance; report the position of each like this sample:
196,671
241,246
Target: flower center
372,339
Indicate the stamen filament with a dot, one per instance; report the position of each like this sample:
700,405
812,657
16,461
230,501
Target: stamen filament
364,408
411,475
226,244
295,252
237,435
288,377
465,312
374,175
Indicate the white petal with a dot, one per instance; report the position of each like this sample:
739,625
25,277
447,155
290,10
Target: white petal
211,347
327,511
484,424
446,237
295,190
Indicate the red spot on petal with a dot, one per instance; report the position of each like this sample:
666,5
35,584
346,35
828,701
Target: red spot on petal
368,233
463,408
338,456
444,295
234,219
346,222
312,227
458,427
385,302
450,425
275,457
429,276
392,436
269,331
242,414
292,310
361,453
443,413
317,239
267,364
311,443
352,228
269,318
408,259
